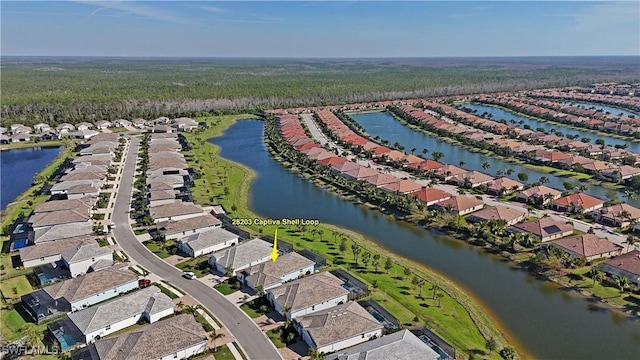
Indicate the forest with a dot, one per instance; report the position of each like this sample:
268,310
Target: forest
56,90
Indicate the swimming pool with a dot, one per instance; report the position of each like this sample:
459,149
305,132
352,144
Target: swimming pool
436,348
381,319
19,244
66,341
44,278
348,286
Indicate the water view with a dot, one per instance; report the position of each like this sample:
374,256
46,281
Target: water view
19,166
549,322
499,114
385,126
605,108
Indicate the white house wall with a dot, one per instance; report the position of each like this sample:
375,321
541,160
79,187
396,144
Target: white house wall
358,339
81,267
155,317
177,218
41,261
311,309
111,293
187,353
90,337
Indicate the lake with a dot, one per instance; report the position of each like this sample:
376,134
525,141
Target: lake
499,114
385,126
547,321
605,108
19,166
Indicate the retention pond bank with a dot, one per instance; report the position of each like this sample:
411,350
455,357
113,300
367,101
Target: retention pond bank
550,323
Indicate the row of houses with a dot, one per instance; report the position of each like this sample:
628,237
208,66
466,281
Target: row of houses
101,303
58,236
533,146
319,304
585,94
547,230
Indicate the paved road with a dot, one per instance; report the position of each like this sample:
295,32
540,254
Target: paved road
318,135
252,340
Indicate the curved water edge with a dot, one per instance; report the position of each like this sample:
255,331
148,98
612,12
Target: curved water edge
597,106
19,166
533,312
385,126
499,113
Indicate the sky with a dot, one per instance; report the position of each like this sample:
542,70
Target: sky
325,29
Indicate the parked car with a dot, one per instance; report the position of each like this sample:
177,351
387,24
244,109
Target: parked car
189,275
144,282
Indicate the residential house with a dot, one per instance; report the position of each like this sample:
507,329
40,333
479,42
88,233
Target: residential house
308,295
206,242
83,134
51,251
21,137
100,320
471,179
176,229
504,186
623,172
627,265
448,171
620,215
499,212
103,124
431,196
185,124
270,274
41,127
84,126
545,229
461,205
179,210
338,327
43,220
587,246
402,186
401,345
122,123
78,293
180,337
577,203
242,256
63,231
87,258
539,195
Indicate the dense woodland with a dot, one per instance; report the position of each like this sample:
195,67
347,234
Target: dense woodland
84,89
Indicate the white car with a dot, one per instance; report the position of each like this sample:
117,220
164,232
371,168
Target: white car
189,275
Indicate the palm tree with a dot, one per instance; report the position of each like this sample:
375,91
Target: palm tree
356,251
462,163
413,151
214,336
259,290
631,241
491,345
425,151
596,274
315,354
486,165
543,180
376,262
437,155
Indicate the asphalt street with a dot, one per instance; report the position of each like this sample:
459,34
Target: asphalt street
251,339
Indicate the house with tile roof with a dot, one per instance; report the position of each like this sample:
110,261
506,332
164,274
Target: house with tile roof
51,251
78,293
539,195
106,318
471,179
461,205
402,186
338,327
504,186
242,256
206,242
587,246
401,345
620,215
577,203
175,229
270,274
180,337
178,210
86,258
499,212
308,295
627,265
545,229
430,196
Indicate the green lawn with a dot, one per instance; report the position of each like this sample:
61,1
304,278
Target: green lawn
274,336
579,278
160,251
225,288
166,291
199,266
20,284
223,353
459,320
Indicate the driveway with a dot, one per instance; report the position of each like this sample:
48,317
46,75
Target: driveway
252,341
